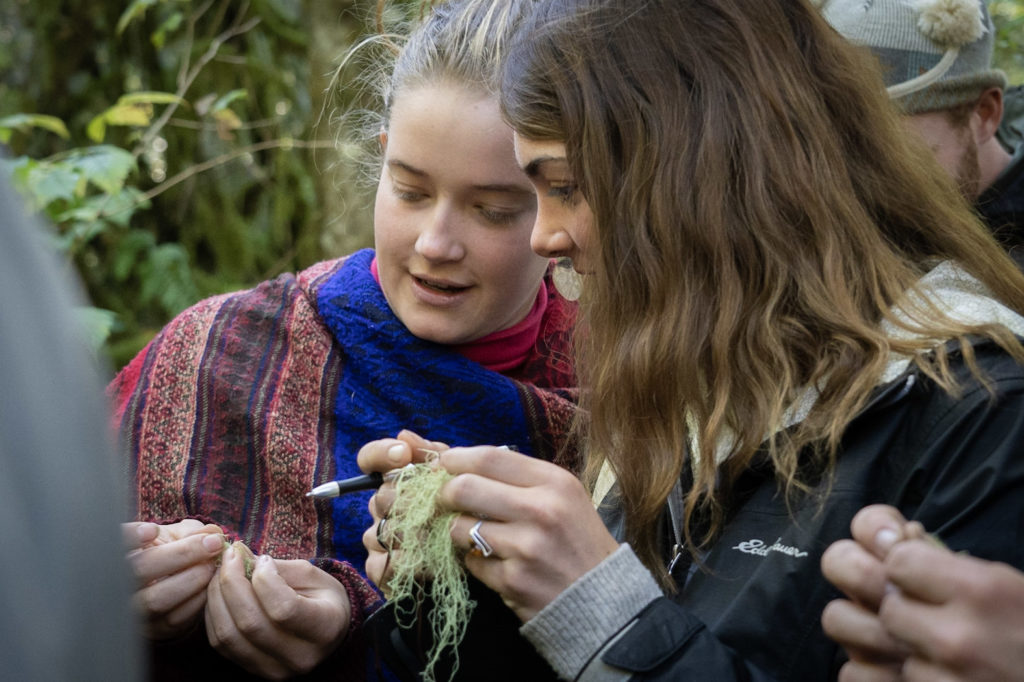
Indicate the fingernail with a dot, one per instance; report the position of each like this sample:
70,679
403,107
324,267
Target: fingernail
265,563
886,538
397,453
213,543
890,588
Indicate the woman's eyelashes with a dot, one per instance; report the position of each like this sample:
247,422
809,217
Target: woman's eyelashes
566,192
405,193
495,215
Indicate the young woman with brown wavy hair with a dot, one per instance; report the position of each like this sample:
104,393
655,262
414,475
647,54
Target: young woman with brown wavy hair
789,312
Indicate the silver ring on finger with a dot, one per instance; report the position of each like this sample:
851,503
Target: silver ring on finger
478,546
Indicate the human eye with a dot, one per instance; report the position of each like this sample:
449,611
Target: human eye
406,193
497,216
566,192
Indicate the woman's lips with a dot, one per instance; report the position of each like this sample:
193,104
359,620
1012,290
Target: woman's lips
439,285
437,291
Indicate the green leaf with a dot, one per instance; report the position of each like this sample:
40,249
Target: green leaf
24,122
129,115
126,255
169,25
17,168
227,98
133,11
119,208
227,120
167,280
134,109
97,128
85,213
105,166
116,209
150,97
81,233
49,182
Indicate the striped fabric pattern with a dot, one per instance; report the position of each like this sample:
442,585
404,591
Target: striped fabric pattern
240,405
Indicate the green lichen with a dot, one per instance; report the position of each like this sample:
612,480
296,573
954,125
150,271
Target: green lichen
244,552
427,565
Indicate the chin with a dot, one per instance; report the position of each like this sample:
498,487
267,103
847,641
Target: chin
444,336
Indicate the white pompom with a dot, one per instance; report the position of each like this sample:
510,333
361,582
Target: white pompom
950,23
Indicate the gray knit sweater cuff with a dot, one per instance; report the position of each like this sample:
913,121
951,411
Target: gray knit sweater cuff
570,630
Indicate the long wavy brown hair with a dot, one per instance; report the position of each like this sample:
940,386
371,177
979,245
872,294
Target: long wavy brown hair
759,209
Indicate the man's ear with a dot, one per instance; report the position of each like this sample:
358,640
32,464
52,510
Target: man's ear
382,138
988,114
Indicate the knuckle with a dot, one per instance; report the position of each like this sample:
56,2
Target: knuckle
282,610
458,488
955,644
218,636
518,580
534,548
986,589
249,624
179,620
547,517
900,556
302,662
148,601
384,499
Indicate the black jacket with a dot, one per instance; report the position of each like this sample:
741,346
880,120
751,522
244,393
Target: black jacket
956,465
1002,207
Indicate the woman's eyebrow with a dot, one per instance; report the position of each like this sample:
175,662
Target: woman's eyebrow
507,188
394,163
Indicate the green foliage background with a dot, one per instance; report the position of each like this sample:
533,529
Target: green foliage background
178,146
174,144
1008,16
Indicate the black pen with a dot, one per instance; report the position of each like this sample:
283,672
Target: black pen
366,481
354,484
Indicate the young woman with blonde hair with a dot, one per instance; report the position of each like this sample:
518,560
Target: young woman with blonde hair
788,312
248,400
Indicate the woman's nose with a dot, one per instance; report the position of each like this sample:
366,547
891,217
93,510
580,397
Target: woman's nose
548,239
439,238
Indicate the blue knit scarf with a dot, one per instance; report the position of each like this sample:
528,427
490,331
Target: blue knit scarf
393,380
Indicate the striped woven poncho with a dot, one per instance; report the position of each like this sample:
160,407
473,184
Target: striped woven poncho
246,401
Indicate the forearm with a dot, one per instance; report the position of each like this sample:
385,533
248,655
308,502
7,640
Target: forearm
614,623
571,629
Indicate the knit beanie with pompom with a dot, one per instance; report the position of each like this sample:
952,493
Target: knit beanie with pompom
935,54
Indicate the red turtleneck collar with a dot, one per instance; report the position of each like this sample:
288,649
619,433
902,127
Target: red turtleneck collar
506,348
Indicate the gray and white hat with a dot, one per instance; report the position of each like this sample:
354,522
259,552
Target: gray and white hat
936,54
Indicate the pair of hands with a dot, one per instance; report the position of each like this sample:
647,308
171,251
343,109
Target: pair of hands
539,519
916,611
285,621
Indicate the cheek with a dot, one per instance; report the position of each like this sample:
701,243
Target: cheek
949,158
579,223
390,224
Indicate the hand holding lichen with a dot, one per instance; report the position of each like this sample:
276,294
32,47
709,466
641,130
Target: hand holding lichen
244,552
427,565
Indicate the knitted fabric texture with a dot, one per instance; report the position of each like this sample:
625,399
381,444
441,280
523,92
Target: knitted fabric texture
935,54
246,401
